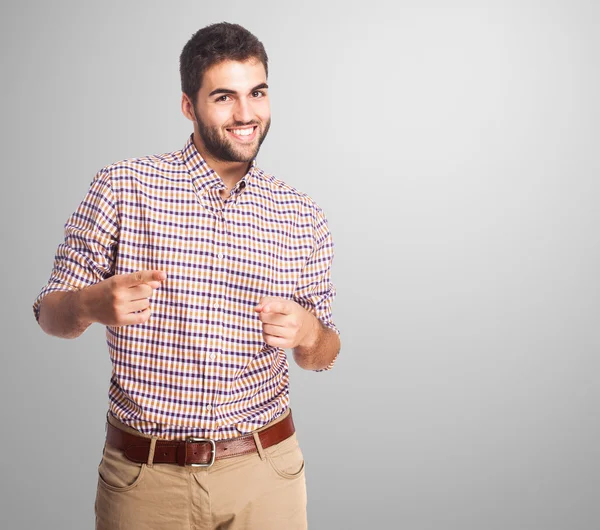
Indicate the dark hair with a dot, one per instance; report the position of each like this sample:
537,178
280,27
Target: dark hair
214,44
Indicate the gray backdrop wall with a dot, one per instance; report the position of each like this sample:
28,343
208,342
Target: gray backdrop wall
454,149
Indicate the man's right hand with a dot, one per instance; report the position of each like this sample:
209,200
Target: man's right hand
114,301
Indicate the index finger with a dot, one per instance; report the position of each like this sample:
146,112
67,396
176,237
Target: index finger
139,277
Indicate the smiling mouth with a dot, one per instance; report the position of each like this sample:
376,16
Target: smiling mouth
243,134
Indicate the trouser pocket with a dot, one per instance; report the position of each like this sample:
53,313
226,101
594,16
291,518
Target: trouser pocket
286,458
117,473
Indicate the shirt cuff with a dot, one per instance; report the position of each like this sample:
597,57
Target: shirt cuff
50,287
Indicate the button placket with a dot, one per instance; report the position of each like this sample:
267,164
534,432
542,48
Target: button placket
218,305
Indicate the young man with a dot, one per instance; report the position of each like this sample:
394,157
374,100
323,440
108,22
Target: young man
203,268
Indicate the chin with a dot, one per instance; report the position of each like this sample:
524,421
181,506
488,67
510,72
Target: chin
245,156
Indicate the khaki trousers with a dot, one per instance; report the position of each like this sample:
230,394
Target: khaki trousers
265,490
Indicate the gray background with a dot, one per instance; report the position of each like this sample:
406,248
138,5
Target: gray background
454,149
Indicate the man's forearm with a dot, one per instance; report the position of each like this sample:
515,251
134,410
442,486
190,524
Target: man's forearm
62,314
319,347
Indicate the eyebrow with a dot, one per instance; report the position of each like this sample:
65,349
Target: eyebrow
229,91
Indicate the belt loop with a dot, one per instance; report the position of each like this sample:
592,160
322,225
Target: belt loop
151,451
259,447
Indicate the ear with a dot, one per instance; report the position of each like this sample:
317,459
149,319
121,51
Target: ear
187,108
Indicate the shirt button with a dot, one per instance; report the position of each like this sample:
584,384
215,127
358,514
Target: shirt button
208,408
220,255
216,306
212,356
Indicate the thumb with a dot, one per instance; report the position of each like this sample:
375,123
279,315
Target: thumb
262,304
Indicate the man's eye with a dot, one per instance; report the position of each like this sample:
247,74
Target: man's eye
258,93
223,98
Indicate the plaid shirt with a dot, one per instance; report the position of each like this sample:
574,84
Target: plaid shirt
199,366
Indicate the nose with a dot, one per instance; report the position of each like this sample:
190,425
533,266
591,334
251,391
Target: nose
243,112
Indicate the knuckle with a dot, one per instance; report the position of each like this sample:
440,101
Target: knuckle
115,294
115,303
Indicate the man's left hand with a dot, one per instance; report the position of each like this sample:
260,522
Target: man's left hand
285,323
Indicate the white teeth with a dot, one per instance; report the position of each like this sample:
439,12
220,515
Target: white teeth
243,132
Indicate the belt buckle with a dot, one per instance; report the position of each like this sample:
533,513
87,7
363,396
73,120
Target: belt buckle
213,450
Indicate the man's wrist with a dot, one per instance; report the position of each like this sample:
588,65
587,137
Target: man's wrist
311,337
82,308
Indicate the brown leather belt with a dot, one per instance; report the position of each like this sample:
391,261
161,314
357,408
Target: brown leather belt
196,451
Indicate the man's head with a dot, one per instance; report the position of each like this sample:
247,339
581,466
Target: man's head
224,72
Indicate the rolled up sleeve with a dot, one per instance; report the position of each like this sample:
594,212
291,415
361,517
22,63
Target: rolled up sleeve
315,291
88,252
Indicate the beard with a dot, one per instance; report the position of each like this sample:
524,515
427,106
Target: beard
223,148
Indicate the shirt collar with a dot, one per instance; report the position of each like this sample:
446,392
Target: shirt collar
203,176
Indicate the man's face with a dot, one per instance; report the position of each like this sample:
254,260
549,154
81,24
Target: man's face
232,110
